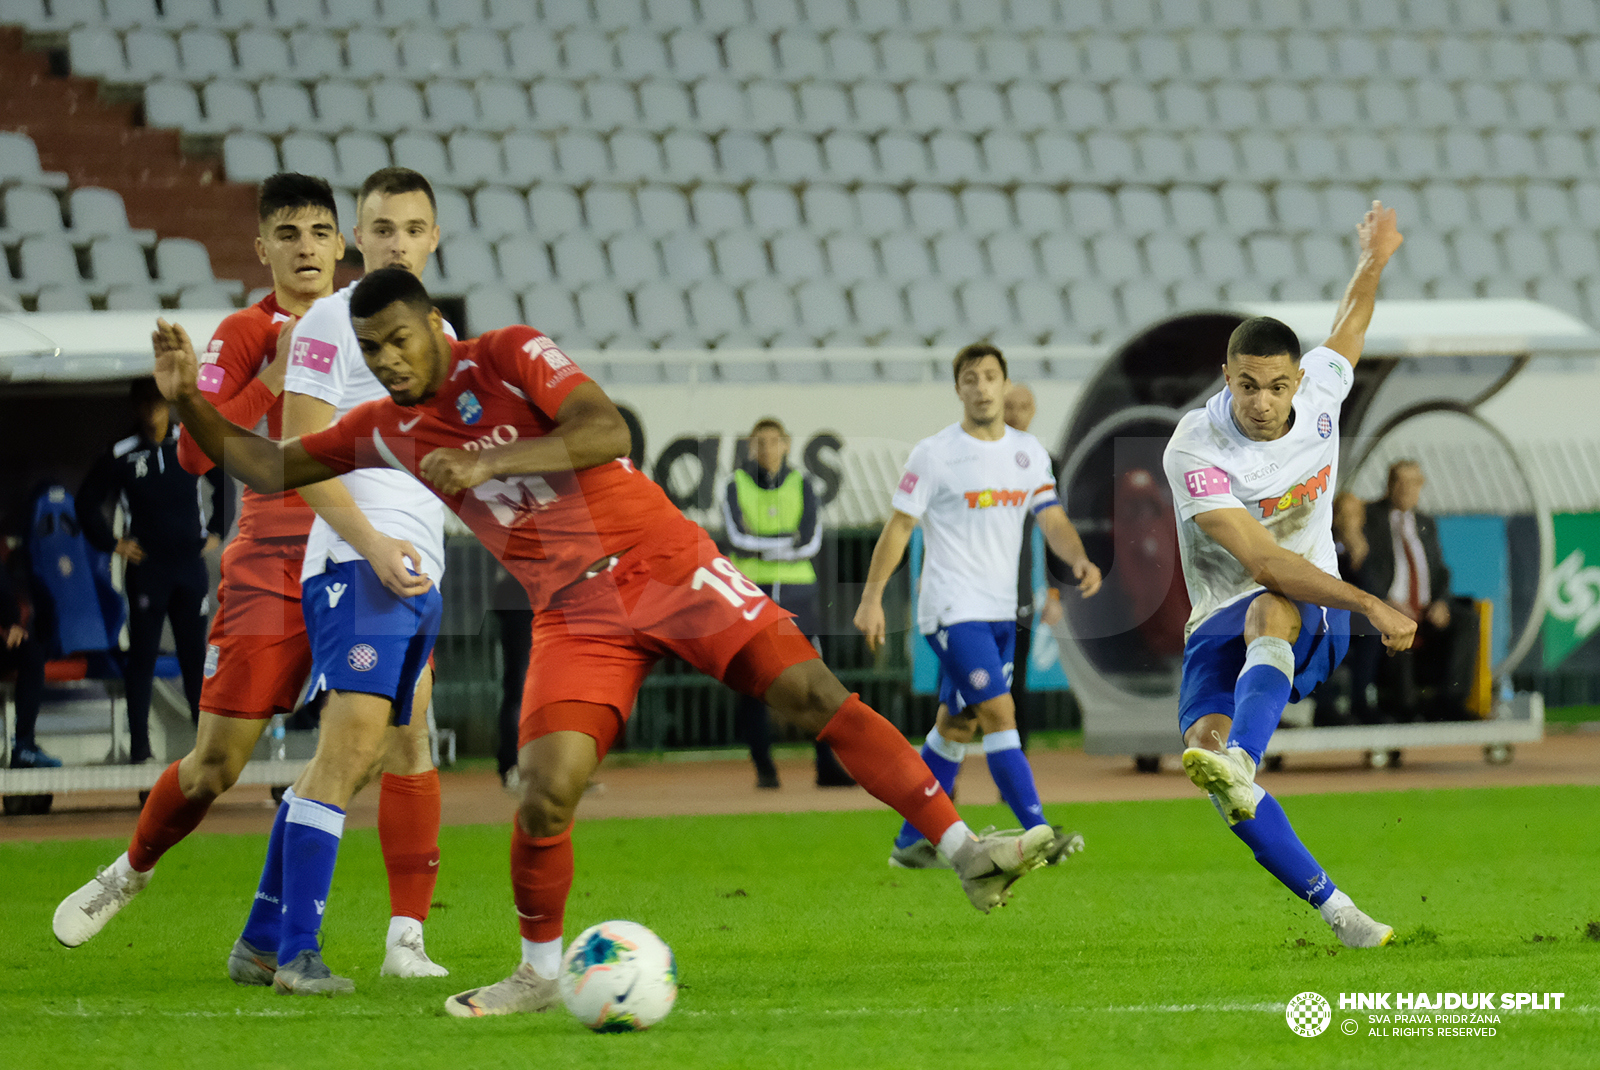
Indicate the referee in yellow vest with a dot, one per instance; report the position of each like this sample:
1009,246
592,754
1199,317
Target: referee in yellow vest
770,513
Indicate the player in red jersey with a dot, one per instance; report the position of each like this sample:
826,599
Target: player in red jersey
260,654
531,454
258,657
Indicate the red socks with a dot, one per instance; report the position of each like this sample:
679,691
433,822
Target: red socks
541,878
878,756
408,831
167,817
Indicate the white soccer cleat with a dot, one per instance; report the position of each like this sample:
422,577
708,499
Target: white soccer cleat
1065,845
1229,775
1355,929
307,975
920,855
85,912
524,992
990,864
408,958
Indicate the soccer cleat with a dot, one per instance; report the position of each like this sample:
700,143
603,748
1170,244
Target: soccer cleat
1355,929
990,864
1064,844
920,855
524,992
407,958
85,912
1230,776
307,975
249,965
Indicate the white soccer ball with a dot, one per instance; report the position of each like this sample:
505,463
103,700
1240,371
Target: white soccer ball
618,977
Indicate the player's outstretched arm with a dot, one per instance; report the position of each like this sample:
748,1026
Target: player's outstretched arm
589,432
886,555
266,466
1063,540
1378,236
1287,573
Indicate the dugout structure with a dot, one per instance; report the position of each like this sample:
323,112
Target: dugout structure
1423,359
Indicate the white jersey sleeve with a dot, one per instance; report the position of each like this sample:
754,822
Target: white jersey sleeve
918,482
1199,484
314,365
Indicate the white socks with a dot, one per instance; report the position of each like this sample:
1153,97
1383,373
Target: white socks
544,956
399,926
953,838
944,748
1333,903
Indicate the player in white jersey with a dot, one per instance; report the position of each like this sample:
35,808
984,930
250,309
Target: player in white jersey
372,621
1253,476
972,485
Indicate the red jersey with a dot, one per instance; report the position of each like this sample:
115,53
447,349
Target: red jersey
505,386
244,344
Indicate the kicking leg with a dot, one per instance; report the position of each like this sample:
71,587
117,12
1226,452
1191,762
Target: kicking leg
942,752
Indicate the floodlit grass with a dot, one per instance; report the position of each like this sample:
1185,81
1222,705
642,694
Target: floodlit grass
1571,714
1162,945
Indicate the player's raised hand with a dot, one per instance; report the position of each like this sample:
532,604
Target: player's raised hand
177,367
1396,628
388,557
1378,232
1087,573
870,622
453,471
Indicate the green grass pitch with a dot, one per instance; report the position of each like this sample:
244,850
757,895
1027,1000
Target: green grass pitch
1162,945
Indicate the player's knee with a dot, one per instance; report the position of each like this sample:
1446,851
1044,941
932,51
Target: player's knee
548,805
807,694
212,772
1272,615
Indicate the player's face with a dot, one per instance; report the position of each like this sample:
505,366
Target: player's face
770,448
1019,407
1263,393
397,230
981,386
302,246
1406,490
406,351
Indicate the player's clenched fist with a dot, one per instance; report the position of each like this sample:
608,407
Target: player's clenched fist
870,623
453,471
177,368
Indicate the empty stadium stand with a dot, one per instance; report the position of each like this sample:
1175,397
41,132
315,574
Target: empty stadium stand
745,173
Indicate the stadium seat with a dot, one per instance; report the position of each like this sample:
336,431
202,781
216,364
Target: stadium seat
118,261
247,157
205,295
150,53
32,210
46,259
769,307
63,297
95,51
603,310
286,105
132,298
182,262
823,306
397,108
524,260
230,106
985,307
903,257
741,257
686,257
205,53
465,261
97,213
359,154
878,307
660,310
263,52
424,153
798,256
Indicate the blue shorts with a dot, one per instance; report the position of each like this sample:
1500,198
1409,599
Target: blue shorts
1213,657
363,638
974,661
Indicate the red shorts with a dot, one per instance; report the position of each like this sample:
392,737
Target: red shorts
259,658
598,638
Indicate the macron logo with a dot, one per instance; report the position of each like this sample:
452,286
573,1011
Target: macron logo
335,592
320,904
313,354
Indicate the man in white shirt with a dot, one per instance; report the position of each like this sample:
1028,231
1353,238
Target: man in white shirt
1253,476
971,485
373,561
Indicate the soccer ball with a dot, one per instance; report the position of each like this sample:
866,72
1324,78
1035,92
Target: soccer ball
618,977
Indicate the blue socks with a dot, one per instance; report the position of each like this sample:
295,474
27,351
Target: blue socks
1261,694
1281,853
944,761
1013,776
261,929
310,848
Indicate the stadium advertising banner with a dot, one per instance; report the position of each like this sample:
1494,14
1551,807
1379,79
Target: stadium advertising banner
1572,598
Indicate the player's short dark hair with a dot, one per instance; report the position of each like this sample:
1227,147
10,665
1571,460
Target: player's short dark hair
769,422
972,354
290,189
386,286
392,180
1263,336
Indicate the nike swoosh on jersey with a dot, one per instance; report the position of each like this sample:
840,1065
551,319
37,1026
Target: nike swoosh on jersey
406,425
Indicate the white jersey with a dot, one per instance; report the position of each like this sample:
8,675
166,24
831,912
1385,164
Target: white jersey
1287,484
325,362
972,497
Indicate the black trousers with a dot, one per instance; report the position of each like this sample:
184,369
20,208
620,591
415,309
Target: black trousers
172,591
1021,697
1429,682
27,660
516,640
805,602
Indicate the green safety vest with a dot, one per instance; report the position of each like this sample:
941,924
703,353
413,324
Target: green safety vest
768,513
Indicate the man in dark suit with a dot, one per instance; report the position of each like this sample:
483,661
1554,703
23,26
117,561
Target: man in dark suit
1405,566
